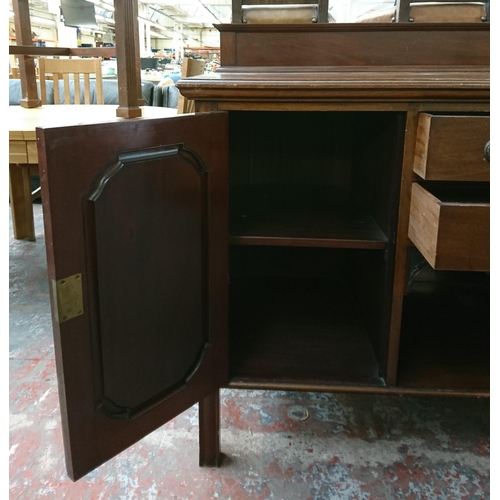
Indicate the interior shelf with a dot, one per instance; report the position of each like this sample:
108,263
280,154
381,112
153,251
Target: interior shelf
303,330
445,337
291,215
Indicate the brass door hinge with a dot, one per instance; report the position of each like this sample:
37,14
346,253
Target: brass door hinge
68,297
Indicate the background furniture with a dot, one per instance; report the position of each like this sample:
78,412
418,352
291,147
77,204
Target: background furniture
150,93
126,51
21,164
190,67
69,71
23,155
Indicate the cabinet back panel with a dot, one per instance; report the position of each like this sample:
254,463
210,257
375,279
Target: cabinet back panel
359,151
291,148
377,165
358,274
445,340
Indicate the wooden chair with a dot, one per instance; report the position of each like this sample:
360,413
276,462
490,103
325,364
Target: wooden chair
20,172
444,11
279,11
69,70
190,67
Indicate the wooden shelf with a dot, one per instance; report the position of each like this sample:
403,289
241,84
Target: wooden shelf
298,331
292,215
445,335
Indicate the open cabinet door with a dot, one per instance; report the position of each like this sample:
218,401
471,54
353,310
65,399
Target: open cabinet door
136,230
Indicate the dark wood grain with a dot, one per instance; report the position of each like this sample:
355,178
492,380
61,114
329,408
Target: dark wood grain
380,48
301,216
331,109
123,277
446,334
305,330
209,422
451,147
450,225
384,63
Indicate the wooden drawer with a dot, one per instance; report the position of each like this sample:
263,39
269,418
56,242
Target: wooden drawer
450,226
452,147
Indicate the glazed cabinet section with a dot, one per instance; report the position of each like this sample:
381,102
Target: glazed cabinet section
445,329
312,214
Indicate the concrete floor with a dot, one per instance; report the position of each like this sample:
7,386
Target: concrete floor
350,447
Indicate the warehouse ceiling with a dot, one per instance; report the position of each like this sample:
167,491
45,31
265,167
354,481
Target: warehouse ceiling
164,15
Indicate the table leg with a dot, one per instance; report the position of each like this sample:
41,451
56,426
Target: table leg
20,201
209,409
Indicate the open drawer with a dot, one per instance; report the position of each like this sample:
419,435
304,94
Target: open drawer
450,225
452,147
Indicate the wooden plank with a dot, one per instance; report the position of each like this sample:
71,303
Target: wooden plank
301,216
424,222
62,51
324,45
401,247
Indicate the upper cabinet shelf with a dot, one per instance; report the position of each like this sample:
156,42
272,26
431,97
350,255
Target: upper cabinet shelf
302,216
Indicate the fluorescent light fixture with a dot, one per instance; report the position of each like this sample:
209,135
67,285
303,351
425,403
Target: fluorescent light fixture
42,21
103,19
103,5
154,34
39,21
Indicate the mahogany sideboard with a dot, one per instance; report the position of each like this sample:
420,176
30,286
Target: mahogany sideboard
321,223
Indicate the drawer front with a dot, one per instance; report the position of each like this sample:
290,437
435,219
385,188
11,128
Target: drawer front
452,236
452,147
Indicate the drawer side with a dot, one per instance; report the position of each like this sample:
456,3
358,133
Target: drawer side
424,222
451,235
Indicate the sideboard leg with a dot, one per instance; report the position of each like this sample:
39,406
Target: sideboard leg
209,423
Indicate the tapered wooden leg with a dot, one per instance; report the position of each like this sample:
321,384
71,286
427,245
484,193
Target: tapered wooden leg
209,422
20,202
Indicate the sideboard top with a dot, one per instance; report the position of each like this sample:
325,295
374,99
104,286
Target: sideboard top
388,61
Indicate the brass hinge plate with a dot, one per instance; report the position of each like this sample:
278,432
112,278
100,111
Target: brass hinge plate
68,297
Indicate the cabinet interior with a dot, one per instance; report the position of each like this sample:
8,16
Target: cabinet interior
445,330
312,215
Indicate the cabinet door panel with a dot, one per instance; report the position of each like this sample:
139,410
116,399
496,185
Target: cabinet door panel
136,227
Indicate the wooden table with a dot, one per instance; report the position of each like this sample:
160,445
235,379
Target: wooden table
23,155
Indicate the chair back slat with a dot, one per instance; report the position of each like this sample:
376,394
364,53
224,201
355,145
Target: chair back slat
71,70
86,89
67,89
76,79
